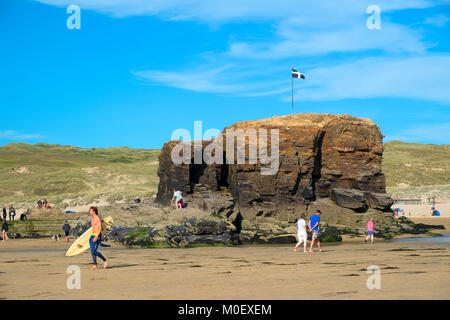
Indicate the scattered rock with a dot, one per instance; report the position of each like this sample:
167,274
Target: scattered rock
191,231
349,198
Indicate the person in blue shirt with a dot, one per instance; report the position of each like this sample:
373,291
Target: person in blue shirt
314,228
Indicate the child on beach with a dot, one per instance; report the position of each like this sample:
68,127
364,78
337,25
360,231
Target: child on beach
178,198
301,233
369,230
5,230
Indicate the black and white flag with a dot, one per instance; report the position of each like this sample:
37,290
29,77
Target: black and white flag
297,75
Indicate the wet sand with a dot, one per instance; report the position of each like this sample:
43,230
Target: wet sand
419,270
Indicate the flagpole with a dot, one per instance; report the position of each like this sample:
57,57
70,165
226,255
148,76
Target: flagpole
292,80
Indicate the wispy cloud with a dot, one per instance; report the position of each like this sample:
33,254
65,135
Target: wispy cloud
294,41
220,11
14,135
229,79
423,77
436,132
201,80
439,20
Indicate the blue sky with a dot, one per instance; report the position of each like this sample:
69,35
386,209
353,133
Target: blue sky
139,69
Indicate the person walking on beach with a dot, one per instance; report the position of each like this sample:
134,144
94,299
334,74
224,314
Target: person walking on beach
369,230
66,228
301,232
94,240
5,230
177,197
314,228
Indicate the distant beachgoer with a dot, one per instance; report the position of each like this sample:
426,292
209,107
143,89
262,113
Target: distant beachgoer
45,203
4,213
101,244
12,213
314,228
23,216
39,203
301,232
5,230
177,197
66,228
94,240
370,230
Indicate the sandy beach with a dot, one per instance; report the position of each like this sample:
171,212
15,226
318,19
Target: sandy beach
36,269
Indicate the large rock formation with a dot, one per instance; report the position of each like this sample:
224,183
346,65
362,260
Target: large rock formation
321,156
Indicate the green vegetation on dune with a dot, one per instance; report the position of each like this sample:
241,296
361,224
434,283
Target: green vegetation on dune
70,176
416,164
414,169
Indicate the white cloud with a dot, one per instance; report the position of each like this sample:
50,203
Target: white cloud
14,135
241,80
206,80
436,132
219,11
297,42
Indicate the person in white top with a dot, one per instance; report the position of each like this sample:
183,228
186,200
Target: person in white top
301,233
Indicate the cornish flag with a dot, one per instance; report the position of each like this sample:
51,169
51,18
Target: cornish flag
297,75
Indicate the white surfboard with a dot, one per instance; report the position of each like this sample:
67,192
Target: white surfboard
82,243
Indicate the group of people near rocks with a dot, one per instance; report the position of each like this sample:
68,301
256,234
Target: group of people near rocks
313,227
12,213
43,204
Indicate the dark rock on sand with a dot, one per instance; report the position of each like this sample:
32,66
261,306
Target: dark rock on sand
207,230
79,228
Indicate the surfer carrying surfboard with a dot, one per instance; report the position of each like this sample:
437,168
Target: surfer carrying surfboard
94,240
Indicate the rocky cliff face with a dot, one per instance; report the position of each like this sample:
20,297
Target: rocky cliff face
332,158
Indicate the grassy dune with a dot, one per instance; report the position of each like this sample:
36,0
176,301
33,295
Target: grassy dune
413,170
69,177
